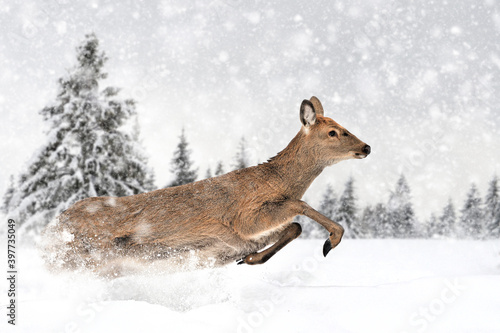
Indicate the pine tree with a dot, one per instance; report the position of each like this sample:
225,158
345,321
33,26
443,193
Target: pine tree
241,158
208,174
432,229
380,220
346,212
447,220
8,195
400,210
182,164
328,205
219,170
492,210
87,153
471,220
367,223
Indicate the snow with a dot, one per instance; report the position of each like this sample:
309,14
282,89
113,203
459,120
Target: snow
415,81
362,286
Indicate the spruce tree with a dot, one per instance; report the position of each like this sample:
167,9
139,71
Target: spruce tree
241,158
87,153
8,195
492,210
219,170
346,212
433,227
367,224
208,174
328,205
471,220
182,166
400,210
380,221
447,221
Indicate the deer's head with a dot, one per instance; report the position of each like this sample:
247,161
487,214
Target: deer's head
326,139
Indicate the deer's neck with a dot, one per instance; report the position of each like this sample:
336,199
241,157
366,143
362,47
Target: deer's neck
294,169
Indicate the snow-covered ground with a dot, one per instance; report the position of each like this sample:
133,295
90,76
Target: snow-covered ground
362,286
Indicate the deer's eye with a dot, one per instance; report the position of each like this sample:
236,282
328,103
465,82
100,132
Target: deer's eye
332,133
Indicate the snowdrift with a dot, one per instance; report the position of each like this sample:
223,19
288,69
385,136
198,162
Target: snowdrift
362,286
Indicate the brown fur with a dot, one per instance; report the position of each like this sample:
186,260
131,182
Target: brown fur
225,218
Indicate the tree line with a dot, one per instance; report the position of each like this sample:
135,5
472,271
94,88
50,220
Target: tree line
182,166
477,219
89,152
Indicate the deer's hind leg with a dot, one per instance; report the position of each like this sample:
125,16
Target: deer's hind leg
286,236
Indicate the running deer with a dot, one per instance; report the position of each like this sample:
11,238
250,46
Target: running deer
224,219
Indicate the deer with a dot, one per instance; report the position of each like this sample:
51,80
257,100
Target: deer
244,216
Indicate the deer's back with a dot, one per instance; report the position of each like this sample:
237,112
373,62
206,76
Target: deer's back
175,216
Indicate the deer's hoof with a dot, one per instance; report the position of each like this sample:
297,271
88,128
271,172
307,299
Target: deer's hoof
327,247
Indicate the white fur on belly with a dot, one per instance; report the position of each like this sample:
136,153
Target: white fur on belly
268,232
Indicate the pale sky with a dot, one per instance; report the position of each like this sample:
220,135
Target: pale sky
418,83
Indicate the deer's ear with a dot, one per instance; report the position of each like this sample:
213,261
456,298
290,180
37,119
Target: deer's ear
307,113
317,106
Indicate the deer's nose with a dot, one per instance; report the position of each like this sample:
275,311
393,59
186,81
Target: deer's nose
367,149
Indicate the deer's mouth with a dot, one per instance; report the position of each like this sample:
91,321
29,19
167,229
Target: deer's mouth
360,155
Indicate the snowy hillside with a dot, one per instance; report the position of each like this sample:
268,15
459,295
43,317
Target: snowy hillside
362,286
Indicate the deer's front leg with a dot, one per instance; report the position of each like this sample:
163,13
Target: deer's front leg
335,229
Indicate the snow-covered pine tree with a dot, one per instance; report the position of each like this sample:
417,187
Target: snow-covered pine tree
328,205
182,166
241,158
367,227
8,195
447,221
208,174
380,221
492,210
219,170
346,214
471,220
88,152
432,229
400,211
